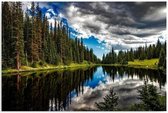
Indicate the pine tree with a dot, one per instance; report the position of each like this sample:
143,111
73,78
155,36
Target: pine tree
39,31
150,98
81,51
20,33
131,55
27,38
6,35
110,102
43,46
46,42
158,48
34,38
162,59
103,59
59,42
77,50
17,45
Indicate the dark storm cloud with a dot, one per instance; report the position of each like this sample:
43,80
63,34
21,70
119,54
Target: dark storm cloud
143,34
93,28
116,13
119,47
122,13
134,42
156,24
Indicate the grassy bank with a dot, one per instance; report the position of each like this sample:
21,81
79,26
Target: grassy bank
144,64
72,66
149,64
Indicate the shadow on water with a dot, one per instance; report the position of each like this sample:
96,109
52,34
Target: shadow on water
54,90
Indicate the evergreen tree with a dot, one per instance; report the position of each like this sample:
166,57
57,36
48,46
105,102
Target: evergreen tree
150,98
81,51
59,42
91,55
27,38
131,55
158,48
103,59
110,102
7,59
77,50
39,31
162,59
17,35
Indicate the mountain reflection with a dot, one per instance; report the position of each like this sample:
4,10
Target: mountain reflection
57,91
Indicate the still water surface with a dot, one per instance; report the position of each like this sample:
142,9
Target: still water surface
75,90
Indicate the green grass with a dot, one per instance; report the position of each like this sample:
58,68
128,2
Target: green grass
72,66
152,63
144,64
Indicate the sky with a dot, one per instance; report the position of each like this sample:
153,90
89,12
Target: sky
106,25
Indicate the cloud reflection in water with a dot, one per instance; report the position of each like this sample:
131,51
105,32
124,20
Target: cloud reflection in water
125,87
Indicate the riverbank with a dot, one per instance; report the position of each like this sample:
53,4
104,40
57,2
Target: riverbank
147,64
143,64
72,66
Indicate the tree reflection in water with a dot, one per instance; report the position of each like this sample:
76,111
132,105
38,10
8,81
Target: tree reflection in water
142,74
53,91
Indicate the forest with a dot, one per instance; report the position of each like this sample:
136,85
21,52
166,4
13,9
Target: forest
141,53
28,39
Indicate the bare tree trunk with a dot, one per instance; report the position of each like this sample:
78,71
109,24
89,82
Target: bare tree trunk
17,61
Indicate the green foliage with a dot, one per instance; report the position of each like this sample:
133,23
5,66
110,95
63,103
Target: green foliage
35,65
39,64
67,62
110,102
150,98
162,59
42,63
12,35
136,107
110,58
162,100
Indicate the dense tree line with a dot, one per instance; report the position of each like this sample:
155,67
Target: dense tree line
29,38
141,53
